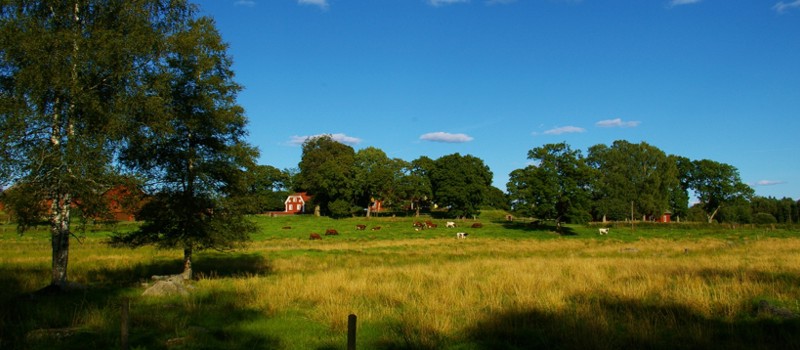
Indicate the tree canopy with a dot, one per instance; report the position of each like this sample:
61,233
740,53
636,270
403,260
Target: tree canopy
193,151
70,72
555,187
460,183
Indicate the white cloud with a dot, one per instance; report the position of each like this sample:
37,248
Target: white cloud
446,137
565,130
248,3
438,3
683,2
770,182
781,7
341,138
617,123
323,4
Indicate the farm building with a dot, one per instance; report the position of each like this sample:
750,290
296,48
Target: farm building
296,203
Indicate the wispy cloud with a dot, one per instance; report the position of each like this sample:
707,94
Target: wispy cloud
782,7
342,138
564,130
769,182
617,123
682,2
247,3
438,3
446,137
323,4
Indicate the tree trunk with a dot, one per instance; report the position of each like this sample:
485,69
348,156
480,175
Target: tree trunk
187,263
711,217
59,229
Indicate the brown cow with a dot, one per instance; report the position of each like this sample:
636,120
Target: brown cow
331,232
376,228
418,224
314,236
287,227
477,225
361,227
430,224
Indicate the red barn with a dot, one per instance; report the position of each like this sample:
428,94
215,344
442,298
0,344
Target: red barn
296,203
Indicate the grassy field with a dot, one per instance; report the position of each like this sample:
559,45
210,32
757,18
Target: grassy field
509,285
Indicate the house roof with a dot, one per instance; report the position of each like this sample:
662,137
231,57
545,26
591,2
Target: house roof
303,195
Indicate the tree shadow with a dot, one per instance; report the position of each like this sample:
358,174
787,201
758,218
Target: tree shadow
25,312
624,324
538,226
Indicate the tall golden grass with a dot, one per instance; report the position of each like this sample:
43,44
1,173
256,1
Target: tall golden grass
478,293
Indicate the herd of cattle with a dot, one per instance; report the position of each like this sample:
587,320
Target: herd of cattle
418,225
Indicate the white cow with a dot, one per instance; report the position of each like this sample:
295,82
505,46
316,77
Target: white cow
603,231
461,235
450,224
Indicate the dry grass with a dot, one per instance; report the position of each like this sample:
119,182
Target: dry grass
479,293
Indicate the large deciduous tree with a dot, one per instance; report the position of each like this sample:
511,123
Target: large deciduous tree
555,187
716,184
190,143
375,176
460,183
326,172
638,174
68,74
415,184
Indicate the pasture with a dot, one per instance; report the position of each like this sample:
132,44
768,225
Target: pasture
508,285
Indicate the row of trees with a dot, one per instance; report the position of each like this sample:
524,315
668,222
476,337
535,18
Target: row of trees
343,181
94,92
621,181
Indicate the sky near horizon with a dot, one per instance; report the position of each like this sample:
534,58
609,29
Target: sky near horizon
703,79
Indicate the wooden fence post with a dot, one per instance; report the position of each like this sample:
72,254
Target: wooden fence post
124,324
351,332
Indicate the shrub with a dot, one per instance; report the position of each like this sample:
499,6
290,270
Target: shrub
764,218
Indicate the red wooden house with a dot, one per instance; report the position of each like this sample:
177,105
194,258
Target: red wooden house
296,203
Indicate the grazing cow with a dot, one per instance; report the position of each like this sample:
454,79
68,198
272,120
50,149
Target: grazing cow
314,236
361,227
461,235
418,224
376,228
603,231
287,227
430,224
450,224
477,225
331,232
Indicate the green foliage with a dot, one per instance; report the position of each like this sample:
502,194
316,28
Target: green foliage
764,218
341,208
326,170
460,184
717,184
71,73
194,149
635,173
555,188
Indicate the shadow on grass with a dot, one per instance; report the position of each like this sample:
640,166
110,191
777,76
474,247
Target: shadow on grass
628,324
538,227
90,315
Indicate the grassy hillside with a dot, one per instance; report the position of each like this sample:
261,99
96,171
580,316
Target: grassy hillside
509,285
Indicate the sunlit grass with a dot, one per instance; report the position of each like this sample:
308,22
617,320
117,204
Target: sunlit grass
503,287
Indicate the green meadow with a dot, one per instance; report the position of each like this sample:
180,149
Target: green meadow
509,285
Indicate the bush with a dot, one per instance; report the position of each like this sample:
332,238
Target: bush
340,208
764,218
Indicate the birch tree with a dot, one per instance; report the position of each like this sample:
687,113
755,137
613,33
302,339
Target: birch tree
69,73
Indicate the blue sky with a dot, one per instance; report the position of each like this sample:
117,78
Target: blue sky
704,79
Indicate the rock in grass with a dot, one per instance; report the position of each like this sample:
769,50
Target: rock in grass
766,309
174,285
